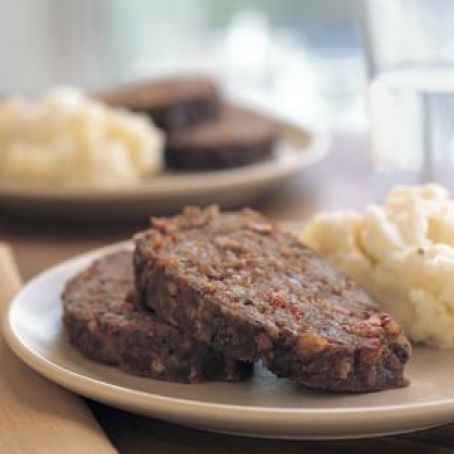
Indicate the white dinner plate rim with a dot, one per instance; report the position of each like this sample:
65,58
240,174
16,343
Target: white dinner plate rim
169,407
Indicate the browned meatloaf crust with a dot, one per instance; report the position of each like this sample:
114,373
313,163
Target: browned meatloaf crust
237,282
236,138
172,103
104,323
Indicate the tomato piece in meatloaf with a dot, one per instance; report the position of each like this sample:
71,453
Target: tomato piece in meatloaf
239,283
103,322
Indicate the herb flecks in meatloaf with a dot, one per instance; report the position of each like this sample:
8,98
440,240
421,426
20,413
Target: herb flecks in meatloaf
239,283
104,323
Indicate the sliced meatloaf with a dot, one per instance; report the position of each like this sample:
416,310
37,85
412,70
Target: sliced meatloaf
236,138
103,322
239,283
172,103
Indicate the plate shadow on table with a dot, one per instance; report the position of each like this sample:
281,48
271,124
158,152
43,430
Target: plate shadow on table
144,432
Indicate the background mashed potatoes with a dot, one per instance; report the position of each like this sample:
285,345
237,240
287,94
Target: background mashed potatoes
67,139
402,253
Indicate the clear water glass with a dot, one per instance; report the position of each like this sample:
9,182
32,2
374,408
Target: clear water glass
409,47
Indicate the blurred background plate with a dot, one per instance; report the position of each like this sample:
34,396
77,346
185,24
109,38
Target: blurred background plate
297,149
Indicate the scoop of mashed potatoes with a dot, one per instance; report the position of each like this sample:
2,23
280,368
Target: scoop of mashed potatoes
67,139
402,253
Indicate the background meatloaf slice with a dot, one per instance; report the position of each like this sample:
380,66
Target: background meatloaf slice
237,282
172,103
237,138
103,322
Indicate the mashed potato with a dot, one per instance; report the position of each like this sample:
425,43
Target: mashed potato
402,253
67,139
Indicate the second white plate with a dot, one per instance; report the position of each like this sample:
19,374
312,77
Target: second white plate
296,150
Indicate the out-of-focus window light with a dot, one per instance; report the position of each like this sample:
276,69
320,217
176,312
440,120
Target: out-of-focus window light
267,67
299,58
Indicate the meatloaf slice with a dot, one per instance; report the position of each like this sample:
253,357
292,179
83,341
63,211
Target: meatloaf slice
103,322
237,282
237,138
172,103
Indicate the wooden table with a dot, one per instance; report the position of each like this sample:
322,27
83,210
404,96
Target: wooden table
342,180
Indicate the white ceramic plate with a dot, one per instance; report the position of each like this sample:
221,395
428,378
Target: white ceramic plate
296,150
263,407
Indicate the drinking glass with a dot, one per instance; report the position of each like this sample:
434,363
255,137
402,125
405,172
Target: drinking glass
409,48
